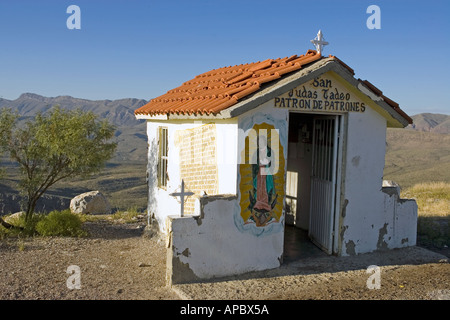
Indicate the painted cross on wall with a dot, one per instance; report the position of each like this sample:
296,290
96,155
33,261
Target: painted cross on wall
183,196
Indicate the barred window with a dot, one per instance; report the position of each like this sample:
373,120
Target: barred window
162,156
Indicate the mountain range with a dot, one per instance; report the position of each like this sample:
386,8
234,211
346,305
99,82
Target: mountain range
130,133
431,122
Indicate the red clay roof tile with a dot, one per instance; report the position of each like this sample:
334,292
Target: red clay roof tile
219,89
389,101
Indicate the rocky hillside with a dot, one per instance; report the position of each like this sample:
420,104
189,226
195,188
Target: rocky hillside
431,122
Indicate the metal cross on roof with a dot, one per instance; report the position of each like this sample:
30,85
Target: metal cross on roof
319,42
182,194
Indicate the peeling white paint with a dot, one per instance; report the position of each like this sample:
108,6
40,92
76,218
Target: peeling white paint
216,247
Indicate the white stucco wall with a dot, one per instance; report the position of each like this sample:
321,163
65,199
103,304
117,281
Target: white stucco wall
371,219
401,220
160,203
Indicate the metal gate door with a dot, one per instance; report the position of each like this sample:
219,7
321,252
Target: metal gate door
323,181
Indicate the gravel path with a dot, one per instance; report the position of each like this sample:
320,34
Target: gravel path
118,263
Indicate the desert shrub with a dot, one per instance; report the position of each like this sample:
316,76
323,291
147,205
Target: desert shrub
60,223
24,228
433,198
433,231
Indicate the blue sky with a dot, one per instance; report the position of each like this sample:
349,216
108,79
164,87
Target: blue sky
142,49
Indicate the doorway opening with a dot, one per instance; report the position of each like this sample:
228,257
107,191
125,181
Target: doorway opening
311,181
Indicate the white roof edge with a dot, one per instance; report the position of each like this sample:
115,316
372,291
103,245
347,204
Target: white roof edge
151,117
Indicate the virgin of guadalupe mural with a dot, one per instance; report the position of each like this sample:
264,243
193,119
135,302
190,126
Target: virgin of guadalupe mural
262,179
263,196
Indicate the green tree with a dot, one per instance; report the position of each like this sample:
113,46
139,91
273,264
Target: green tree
57,145
7,120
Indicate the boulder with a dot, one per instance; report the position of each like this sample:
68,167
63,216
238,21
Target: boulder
93,202
13,218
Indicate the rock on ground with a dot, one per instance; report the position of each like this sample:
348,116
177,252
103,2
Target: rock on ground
93,202
14,217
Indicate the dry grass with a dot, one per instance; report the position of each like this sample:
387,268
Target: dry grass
433,201
433,198
123,216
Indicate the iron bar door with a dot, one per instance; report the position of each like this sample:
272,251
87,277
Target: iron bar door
323,181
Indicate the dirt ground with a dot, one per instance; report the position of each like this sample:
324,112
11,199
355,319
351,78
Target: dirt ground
116,262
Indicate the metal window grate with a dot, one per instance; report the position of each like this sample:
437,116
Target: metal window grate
323,149
323,181
162,156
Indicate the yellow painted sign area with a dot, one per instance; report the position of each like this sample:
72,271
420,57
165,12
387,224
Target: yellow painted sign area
323,94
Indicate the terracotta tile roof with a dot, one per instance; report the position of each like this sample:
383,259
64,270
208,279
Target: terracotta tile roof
389,101
218,89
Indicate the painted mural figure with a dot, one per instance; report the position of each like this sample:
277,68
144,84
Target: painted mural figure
262,197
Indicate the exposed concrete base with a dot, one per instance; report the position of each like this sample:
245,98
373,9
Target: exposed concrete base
177,271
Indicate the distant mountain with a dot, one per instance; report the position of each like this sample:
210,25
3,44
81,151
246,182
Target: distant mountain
119,112
130,134
431,122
